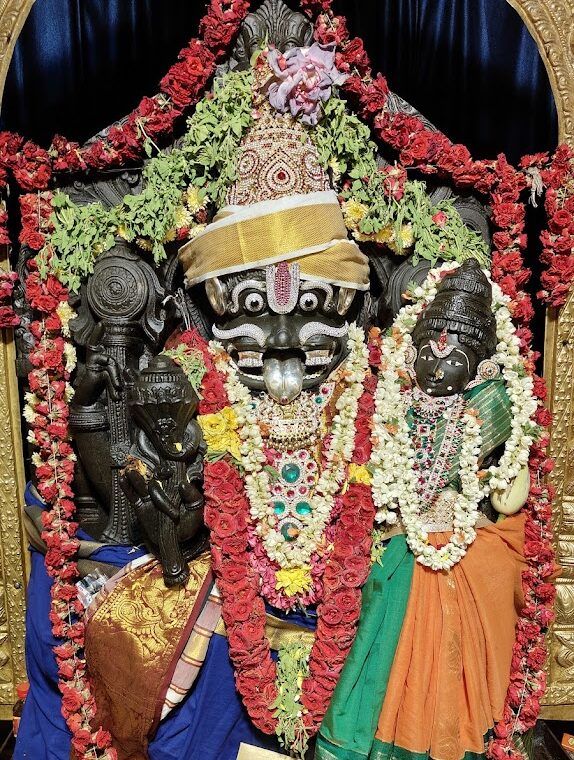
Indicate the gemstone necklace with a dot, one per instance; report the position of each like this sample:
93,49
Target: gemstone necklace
291,520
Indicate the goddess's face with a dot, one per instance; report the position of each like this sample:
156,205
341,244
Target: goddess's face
283,335
444,367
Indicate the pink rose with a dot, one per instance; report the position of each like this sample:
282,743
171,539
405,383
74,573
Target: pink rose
304,78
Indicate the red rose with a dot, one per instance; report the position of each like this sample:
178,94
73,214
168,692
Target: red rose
8,318
506,214
453,156
559,220
543,416
66,670
66,155
353,56
218,472
331,30
330,614
314,7
214,396
396,129
374,97
223,525
250,632
81,740
348,601
65,651
219,27
522,310
72,700
102,738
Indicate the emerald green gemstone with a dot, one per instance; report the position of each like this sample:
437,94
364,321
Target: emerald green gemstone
289,531
303,508
278,507
290,473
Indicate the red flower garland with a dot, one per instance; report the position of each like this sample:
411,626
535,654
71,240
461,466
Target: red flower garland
558,239
8,318
227,516
54,464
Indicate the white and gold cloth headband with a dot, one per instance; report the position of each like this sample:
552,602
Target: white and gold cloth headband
305,229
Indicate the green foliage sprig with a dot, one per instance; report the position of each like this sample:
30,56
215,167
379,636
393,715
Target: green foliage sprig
292,670
206,160
405,221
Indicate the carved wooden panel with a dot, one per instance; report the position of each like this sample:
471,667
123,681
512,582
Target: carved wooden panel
551,23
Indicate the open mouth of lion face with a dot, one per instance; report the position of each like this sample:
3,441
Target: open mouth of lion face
285,372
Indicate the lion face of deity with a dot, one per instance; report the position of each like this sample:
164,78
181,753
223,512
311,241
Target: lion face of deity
283,334
444,366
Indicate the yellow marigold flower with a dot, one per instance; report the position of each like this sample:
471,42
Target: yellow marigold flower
169,236
194,231
122,231
294,580
192,199
335,169
219,431
407,237
354,212
358,473
66,313
146,245
182,217
384,234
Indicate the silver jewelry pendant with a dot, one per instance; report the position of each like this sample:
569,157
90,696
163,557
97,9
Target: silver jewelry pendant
217,294
345,299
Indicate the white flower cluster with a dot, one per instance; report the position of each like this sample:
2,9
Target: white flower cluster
338,455
519,386
395,479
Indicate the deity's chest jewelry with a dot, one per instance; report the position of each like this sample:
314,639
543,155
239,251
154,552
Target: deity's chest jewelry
433,463
297,425
292,434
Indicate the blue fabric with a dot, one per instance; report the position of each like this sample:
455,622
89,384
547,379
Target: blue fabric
209,724
470,66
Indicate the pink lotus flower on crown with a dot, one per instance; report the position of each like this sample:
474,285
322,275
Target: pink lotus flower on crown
303,79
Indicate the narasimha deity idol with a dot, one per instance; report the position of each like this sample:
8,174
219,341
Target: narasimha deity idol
294,499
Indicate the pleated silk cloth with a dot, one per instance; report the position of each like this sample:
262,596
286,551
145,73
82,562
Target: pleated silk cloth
441,684
134,641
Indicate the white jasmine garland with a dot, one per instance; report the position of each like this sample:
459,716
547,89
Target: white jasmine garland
395,479
339,453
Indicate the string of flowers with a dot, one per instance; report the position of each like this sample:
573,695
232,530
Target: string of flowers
31,167
46,411
227,514
558,239
7,316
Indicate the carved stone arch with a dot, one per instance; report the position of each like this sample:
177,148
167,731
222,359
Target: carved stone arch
551,23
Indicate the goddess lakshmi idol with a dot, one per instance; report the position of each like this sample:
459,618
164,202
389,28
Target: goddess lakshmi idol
319,495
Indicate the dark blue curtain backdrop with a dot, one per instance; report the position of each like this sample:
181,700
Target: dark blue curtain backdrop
469,65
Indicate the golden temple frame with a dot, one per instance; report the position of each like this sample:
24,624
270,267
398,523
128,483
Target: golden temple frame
551,23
